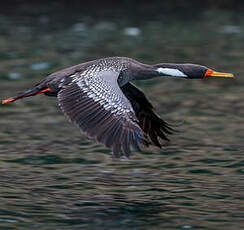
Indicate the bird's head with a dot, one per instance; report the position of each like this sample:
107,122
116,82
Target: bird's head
190,71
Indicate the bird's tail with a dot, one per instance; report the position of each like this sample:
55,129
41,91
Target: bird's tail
27,93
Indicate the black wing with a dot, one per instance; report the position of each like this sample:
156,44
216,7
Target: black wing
98,106
149,121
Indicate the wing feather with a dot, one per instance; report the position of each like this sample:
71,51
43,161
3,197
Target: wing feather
149,121
98,107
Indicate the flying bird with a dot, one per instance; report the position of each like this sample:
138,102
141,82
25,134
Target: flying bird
99,98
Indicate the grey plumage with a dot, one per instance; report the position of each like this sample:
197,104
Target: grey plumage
99,98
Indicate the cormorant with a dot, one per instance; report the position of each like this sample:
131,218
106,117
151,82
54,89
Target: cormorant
100,99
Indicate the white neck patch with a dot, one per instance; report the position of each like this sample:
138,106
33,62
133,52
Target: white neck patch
171,72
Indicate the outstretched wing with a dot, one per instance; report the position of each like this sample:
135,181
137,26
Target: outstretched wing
98,106
149,121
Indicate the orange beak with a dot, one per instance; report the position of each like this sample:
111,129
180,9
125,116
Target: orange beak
211,73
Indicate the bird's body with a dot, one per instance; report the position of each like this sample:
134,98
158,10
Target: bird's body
99,98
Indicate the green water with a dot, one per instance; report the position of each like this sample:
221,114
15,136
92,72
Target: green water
53,177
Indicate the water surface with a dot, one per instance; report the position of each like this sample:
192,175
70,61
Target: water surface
53,177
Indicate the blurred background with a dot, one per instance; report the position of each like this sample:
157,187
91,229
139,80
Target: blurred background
53,177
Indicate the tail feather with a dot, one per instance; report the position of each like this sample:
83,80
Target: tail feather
28,93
